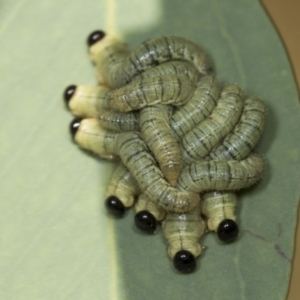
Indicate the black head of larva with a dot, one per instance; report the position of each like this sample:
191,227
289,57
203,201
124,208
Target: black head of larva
184,261
74,126
95,37
115,207
69,92
228,230
145,221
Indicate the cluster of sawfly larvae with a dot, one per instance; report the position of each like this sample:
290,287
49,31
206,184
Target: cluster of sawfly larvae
183,143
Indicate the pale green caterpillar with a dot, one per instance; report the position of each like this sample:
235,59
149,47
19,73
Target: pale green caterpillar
117,66
198,108
221,175
156,132
136,157
199,141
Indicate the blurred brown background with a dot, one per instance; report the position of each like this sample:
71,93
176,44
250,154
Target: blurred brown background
285,16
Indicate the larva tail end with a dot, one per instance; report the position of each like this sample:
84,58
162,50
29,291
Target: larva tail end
115,207
227,231
171,172
185,262
145,222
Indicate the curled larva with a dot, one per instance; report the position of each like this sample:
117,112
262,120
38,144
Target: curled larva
108,53
136,157
198,108
165,89
89,135
119,121
219,209
220,175
198,142
121,191
172,68
183,232
240,142
117,66
148,213
156,132
86,101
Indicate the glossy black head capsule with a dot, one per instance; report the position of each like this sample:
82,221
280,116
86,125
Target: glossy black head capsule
115,207
145,221
74,126
68,93
184,261
94,37
228,230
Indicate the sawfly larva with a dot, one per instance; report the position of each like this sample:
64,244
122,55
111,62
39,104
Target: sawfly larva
174,68
238,144
221,175
198,142
119,121
89,135
166,89
219,209
198,108
136,157
148,214
117,66
183,232
156,132
86,101
121,191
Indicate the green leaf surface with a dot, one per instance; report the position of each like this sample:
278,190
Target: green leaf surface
57,241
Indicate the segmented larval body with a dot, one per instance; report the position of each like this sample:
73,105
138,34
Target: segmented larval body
183,231
119,121
166,89
117,66
156,132
198,142
123,186
136,157
145,204
238,144
181,68
91,136
219,175
198,108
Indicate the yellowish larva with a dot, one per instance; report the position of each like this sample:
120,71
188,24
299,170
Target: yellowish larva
123,186
117,66
219,209
222,175
136,157
238,144
198,142
91,136
183,232
108,53
156,132
86,101
198,108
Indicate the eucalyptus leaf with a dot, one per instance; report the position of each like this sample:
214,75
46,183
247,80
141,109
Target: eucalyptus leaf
57,242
